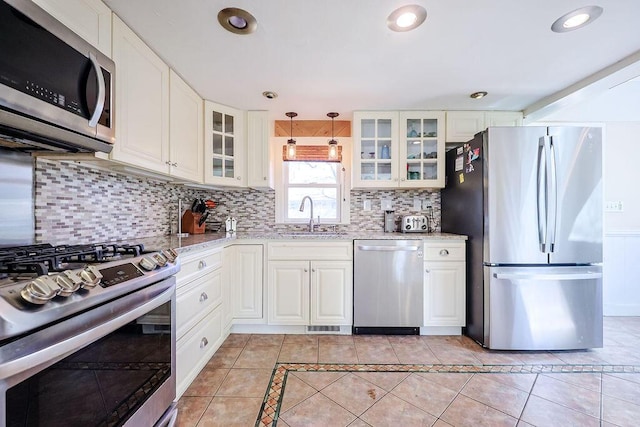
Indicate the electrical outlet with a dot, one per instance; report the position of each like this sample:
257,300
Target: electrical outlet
613,206
426,205
386,204
366,205
417,204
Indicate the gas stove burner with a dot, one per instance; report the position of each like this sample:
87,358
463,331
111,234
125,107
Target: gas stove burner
43,259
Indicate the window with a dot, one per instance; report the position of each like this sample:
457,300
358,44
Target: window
321,181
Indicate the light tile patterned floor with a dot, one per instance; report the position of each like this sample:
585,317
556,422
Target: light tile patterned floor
356,381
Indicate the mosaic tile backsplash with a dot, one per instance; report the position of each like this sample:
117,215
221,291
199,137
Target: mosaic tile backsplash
76,203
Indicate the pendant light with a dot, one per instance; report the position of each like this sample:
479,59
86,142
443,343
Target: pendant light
291,143
333,144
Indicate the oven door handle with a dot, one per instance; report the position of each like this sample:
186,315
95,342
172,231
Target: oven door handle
22,358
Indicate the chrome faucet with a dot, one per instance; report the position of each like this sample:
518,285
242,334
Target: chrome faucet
311,216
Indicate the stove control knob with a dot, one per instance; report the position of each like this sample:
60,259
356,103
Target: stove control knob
147,263
170,254
40,290
67,283
91,276
159,259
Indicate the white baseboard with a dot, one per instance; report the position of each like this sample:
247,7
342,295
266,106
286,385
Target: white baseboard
440,330
621,310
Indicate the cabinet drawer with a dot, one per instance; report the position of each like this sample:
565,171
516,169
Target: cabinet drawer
196,347
310,251
193,265
196,299
444,251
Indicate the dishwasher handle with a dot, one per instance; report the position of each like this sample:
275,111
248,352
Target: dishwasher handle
388,248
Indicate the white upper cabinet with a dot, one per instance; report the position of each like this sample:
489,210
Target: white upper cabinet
398,150
463,125
142,100
185,130
259,162
90,19
224,153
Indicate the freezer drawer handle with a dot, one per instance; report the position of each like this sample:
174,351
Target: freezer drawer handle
519,276
388,248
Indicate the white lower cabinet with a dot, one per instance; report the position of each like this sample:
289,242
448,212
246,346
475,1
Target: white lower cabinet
246,281
307,291
444,283
199,313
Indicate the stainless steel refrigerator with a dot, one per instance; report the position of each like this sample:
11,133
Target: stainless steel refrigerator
530,200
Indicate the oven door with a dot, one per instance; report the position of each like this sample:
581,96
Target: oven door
112,365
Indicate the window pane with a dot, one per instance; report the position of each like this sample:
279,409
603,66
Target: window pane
228,124
324,203
228,146
217,143
217,167
217,121
312,172
228,169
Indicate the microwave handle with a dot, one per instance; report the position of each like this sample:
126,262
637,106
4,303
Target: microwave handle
93,121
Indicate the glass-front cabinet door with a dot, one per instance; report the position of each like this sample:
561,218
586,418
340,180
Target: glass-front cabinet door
224,137
375,136
422,148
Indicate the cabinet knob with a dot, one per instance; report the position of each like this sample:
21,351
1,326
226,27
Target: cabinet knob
203,342
427,270
306,270
444,252
313,270
204,297
238,178
264,178
201,265
401,179
174,164
167,163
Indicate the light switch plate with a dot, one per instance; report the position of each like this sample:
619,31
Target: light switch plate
417,204
366,205
613,206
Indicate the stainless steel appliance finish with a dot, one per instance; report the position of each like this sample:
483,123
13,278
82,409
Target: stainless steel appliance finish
388,286
119,329
414,224
17,220
56,90
530,200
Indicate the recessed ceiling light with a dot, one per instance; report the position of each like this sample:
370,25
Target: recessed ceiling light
269,94
406,18
576,19
237,21
478,95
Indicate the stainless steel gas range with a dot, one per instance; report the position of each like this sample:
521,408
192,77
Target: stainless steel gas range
87,336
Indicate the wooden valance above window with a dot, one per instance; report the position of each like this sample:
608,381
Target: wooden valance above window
312,153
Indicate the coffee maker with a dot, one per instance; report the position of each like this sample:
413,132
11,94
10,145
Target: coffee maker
389,221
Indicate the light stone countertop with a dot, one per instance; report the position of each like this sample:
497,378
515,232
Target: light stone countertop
210,240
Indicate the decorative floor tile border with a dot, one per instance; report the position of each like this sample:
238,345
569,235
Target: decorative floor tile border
269,411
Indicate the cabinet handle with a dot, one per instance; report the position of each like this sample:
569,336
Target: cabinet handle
204,297
201,265
306,271
401,179
264,178
203,342
313,270
167,163
238,178
174,164
427,270
444,252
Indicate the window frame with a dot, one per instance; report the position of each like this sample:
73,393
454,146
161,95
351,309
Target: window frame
281,184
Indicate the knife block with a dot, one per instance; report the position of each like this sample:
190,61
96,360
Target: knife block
190,222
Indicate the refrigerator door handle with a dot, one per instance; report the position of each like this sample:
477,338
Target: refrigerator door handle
541,199
553,195
531,276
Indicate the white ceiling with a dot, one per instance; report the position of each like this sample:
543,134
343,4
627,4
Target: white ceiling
337,55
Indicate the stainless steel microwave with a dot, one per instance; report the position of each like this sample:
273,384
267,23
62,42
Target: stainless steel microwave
56,90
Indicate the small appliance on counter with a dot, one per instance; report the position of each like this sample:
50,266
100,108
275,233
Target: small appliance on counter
389,221
414,224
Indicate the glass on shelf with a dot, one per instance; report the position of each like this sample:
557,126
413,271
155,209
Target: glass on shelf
384,149
413,171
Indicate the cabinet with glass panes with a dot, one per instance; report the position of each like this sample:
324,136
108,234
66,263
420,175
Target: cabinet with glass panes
224,150
398,149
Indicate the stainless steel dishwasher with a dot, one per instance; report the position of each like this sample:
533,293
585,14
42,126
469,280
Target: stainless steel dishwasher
388,287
